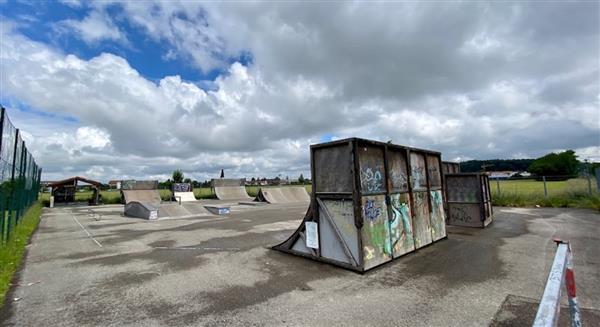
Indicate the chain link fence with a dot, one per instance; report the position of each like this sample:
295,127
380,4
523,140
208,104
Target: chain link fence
19,175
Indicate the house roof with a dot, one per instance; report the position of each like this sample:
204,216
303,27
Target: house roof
73,181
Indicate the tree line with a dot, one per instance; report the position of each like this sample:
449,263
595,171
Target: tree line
563,164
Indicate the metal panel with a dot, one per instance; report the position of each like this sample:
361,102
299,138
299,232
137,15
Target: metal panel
341,212
463,188
377,246
398,171
438,217
434,171
421,221
333,241
401,230
469,199
372,170
464,214
418,171
334,172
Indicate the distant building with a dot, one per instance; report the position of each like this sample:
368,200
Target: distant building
501,174
508,174
115,185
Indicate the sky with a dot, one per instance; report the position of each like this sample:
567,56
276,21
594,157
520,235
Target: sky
119,90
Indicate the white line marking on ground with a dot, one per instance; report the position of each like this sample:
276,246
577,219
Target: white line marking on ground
86,231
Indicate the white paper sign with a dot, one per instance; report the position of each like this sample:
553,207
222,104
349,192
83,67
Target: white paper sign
153,215
312,235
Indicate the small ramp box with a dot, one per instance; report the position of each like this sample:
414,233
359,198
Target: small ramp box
469,200
371,203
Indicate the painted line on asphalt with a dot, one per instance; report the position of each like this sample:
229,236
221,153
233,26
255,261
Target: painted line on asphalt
86,231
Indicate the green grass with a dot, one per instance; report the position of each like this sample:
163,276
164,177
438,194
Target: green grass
572,193
12,252
533,187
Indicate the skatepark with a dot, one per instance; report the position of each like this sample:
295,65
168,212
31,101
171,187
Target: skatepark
220,270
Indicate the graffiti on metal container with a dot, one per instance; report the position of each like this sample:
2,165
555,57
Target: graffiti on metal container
369,252
372,211
437,214
418,177
400,226
459,214
434,175
376,229
421,223
371,180
399,179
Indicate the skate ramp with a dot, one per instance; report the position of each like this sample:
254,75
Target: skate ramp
185,196
291,194
231,193
140,191
185,209
148,196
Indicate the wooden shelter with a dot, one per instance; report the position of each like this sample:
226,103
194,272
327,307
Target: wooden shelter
64,191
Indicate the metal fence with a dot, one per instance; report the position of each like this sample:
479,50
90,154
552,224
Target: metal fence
545,186
19,177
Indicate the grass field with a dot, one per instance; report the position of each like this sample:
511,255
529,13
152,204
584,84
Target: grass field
12,252
532,187
572,193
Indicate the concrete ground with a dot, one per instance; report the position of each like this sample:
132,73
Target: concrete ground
219,270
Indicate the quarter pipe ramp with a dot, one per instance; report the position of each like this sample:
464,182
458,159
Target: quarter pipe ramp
230,189
290,194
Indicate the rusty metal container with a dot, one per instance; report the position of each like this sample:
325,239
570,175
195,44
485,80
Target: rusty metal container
449,167
371,202
469,199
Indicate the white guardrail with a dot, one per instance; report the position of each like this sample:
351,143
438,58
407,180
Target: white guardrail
560,274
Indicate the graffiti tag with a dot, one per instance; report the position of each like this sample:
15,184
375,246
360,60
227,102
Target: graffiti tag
371,179
460,214
371,211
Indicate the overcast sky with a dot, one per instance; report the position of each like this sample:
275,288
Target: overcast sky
114,90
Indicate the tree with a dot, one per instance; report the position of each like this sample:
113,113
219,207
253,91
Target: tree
301,179
177,176
556,164
187,181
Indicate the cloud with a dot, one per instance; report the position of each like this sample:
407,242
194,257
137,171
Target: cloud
471,80
94,28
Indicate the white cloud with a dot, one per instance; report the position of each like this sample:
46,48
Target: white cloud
94,28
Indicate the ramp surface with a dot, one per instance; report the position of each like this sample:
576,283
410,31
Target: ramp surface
231,193
291,194
185,209
185,196
141,210
148,196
